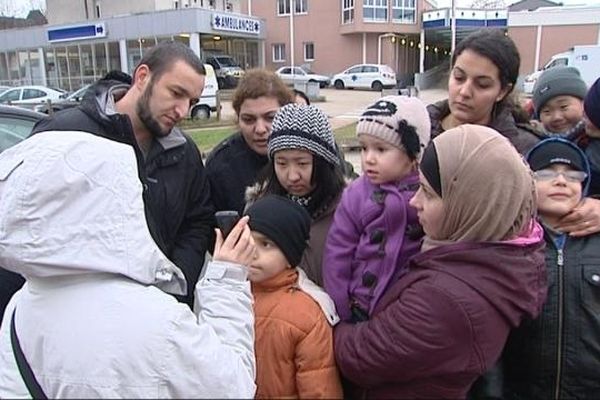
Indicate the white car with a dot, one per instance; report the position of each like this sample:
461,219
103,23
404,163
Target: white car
30,96
291,75
530,81
370,76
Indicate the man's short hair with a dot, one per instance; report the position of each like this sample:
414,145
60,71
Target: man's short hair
161,58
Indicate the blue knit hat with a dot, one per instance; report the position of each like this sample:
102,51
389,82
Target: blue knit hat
591,104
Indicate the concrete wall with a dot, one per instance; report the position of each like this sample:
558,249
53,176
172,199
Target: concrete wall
556,39
525,39
544,32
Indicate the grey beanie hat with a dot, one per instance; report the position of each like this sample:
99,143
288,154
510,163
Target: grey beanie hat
301,127
558,81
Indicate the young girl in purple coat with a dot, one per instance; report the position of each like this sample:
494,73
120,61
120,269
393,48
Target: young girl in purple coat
374,230
480,273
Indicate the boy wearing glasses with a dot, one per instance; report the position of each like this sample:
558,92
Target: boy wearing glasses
558,354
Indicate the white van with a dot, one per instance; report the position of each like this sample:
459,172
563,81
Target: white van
585,58
208,99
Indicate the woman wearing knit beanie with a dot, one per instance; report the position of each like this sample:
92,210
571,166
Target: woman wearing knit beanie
481,271
235,163
304,166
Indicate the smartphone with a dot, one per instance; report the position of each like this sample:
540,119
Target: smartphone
226,220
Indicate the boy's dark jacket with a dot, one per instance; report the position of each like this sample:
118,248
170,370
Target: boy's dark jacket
557,355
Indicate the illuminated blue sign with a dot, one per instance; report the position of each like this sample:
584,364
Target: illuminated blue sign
77,32
227,22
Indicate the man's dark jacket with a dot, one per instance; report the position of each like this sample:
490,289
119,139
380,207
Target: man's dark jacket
176,191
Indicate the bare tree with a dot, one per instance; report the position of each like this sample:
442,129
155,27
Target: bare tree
12,8
488,4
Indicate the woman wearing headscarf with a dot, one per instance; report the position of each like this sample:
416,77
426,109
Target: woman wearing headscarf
480,272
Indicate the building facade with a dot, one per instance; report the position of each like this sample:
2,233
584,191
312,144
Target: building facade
330,35
74,53
541,33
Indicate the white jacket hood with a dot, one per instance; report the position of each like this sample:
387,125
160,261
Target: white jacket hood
71,203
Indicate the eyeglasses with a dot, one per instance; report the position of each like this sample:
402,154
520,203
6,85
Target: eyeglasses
550,174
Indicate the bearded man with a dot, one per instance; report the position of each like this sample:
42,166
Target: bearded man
168,80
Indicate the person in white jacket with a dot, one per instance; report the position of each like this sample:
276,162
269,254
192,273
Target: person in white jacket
93,319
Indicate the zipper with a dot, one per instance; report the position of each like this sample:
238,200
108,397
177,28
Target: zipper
560,263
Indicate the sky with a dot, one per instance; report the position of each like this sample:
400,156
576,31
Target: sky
20,8
467,3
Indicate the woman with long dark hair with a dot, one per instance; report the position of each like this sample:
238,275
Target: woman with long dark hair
485,68
304,166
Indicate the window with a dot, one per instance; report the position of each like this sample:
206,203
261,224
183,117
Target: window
97,10
32,94
301,6
347,11
279,52
299,71
403,11
11,95
309,51
284,7
355,70
375,10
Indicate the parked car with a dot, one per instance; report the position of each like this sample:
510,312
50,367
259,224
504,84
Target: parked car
291,75
228,71
373,76
16,124
29,96
71,100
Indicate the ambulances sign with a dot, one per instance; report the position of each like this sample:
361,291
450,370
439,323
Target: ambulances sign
227,22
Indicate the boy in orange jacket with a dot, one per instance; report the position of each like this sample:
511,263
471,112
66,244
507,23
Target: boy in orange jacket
293,316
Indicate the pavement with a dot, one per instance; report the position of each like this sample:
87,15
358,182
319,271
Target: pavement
344,107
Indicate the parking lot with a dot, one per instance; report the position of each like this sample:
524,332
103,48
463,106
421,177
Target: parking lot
345,106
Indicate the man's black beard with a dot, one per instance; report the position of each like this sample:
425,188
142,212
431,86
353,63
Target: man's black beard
142,109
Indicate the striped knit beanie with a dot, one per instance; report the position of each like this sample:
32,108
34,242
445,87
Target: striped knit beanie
399,120
300,127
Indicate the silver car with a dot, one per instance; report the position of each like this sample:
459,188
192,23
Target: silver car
291,75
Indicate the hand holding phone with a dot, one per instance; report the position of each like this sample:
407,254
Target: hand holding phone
239,247
226,220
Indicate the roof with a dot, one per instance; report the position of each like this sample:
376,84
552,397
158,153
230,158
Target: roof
531,5
35,17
